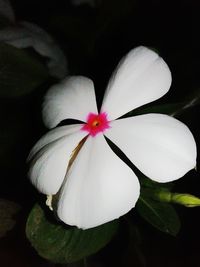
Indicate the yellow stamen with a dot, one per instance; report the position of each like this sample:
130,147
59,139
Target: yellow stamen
95,123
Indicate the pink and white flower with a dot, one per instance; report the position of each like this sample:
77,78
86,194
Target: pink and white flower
98,186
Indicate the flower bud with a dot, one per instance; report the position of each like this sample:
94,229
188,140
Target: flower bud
187,200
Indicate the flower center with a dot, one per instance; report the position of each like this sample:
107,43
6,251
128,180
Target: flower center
96,123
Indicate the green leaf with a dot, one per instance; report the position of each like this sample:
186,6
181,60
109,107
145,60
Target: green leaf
20,73
172,109
148,183
161,215
61,244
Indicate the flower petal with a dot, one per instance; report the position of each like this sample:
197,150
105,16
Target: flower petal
140,78
54,135
160,146
98,188
50,157
73,98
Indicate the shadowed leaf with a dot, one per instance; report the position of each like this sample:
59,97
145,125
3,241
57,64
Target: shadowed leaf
161,215
172,109
62,244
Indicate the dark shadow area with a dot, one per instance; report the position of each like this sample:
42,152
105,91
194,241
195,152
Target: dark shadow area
94,39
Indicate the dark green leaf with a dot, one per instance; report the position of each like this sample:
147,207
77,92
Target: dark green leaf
61,244
161,215
172,109
148,183
20,73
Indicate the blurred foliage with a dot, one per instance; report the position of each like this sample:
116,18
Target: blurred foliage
20,73
8,209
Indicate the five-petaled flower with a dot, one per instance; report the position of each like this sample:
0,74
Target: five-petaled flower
97,186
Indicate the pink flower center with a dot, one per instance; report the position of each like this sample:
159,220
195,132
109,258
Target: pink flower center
96,123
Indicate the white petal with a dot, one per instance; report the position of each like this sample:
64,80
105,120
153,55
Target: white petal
160,146
54,135
50,157
99,187
140,78
73,98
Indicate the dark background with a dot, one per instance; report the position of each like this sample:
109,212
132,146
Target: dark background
94,39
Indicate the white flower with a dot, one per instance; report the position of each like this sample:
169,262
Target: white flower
98,186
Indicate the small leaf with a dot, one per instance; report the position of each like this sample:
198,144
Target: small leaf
161,215
20,73
7,210
62,244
